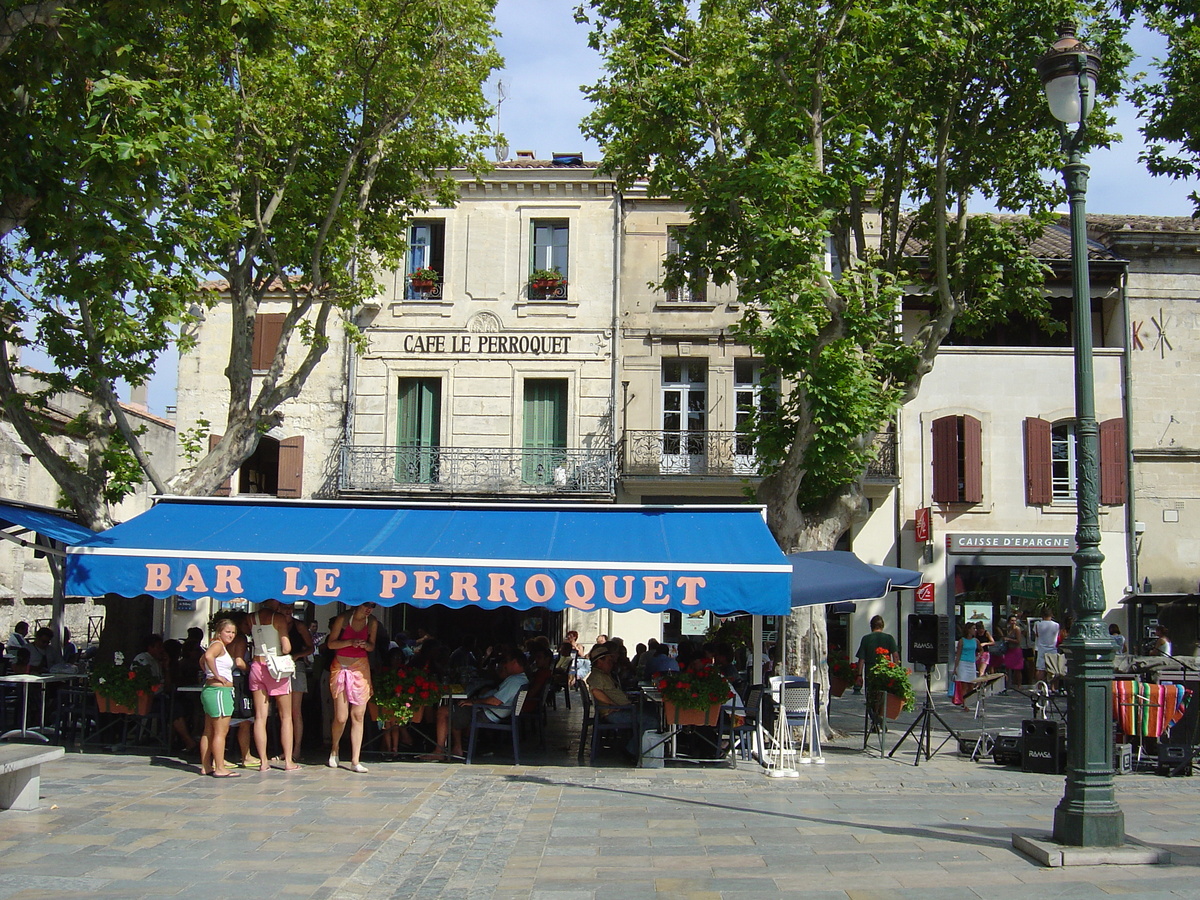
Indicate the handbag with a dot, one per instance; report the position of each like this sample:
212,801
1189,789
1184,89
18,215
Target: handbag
243,702
280,667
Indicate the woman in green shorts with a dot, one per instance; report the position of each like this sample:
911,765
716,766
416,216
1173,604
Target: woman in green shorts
217,699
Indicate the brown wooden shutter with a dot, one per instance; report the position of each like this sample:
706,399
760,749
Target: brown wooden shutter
972,460
945,459
291,468
225,489
267,329
1038,490
1112,462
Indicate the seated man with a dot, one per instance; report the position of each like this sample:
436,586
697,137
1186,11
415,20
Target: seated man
605,688
43,655
452,721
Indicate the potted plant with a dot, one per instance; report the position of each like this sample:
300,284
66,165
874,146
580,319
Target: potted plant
423,278
401,695
121,690
546,281
889,681
842,674
693,697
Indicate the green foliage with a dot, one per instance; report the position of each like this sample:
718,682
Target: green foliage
193,440
796,130
273,142
121,685
890,678
1168,102
694,689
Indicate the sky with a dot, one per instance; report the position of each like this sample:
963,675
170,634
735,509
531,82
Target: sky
548,60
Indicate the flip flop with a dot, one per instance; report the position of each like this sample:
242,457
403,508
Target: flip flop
432,757
225,775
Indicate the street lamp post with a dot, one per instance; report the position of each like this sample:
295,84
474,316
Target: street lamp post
1088,815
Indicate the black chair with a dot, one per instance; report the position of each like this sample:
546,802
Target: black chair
481,721
593,719
747,737
74,717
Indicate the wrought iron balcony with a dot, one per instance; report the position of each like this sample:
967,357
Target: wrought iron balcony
472,470
720,453
688,453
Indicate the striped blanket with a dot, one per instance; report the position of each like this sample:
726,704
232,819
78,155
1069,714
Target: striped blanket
1148,709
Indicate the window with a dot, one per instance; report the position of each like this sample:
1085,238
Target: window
268,327
685,414
1051,457
754,391
1062,461
426,250
418,430
545,415
957,460
275,468
550,244
695,291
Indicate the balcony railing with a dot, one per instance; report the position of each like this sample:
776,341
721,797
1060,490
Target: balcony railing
688,453
719,453
470,470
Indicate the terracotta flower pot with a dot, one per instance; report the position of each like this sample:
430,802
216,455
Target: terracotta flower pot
837,686
422,285
893,706
106,705
678,716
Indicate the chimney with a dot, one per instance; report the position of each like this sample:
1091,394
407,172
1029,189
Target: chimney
526,154
137,396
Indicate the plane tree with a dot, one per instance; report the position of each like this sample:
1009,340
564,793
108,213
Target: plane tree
829,154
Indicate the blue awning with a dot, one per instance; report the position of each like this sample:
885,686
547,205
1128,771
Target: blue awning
722,559
829,576
17,518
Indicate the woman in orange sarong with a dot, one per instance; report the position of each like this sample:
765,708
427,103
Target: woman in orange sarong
352,638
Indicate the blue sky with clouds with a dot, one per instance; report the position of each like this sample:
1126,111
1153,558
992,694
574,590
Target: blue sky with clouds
547,60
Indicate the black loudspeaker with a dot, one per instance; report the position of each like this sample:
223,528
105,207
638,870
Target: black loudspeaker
928,640
1007,750
1174,760
1043,748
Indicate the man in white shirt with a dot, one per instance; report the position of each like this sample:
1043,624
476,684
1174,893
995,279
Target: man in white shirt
1045,640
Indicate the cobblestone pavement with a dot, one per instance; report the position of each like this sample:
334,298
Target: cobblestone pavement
859,826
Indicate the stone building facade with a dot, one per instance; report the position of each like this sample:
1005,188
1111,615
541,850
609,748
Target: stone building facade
484,384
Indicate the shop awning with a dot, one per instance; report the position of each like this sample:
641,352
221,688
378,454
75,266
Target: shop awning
830,576
722,559
19,519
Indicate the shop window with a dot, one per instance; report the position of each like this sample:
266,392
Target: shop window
957,460
1050,462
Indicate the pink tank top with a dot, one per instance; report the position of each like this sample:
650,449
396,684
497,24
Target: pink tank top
350,634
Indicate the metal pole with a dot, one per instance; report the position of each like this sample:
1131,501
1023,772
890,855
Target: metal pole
1088,815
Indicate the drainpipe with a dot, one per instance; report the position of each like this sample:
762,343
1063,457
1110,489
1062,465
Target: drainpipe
1127,413
618,439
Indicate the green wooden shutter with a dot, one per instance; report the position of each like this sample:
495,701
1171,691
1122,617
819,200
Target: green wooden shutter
418,430
545,428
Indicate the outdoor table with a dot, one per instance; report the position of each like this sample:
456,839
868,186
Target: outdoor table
36,732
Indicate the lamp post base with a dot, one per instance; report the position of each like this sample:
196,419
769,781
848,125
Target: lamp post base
1090,827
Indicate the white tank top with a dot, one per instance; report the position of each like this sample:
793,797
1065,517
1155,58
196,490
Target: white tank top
224,664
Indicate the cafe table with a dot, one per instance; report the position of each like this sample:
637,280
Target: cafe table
37,732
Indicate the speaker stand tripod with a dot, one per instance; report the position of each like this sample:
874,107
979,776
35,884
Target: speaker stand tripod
924,722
